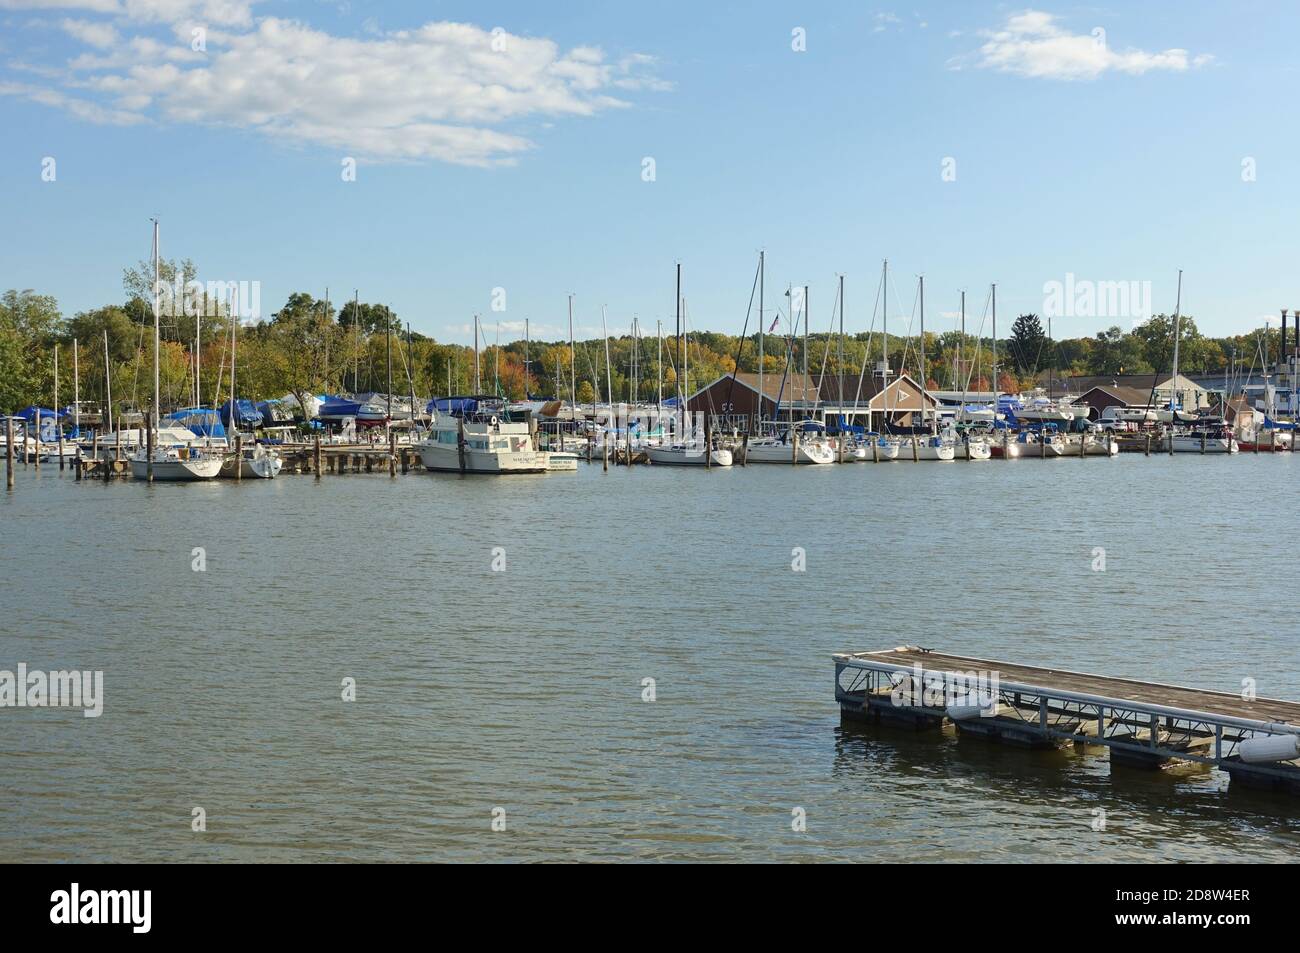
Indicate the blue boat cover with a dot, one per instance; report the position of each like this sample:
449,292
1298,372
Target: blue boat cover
246,414
204,421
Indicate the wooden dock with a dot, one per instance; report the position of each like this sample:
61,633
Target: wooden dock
1144,724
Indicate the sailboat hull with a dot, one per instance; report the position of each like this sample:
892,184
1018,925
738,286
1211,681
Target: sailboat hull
688,457
815,453
177,471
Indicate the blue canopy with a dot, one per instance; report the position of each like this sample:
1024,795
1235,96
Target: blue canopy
453,405
29,413
1271,424
246,414
204,421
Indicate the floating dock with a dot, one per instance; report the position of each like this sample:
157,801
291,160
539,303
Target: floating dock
1144,724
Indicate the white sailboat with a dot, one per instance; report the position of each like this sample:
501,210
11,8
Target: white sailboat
686,453
169,462
781,449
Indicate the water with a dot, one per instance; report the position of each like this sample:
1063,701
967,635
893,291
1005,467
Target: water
522,690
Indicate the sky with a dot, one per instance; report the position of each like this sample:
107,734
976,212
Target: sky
507,155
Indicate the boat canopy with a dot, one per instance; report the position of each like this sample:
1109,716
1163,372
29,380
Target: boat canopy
457,406
246,414
29,413
204,421
1271,424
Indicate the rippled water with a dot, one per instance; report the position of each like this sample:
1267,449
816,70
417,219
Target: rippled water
522,689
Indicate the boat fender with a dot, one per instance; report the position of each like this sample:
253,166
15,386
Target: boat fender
1266,748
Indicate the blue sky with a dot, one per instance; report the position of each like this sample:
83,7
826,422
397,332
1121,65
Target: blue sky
1115,157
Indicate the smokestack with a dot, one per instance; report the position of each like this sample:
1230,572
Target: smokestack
1281,355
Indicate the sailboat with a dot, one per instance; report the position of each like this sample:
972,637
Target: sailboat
1205,435
170,462
257,461
685,452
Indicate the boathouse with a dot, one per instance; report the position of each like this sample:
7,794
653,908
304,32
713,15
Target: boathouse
1099,398
730,403
865,402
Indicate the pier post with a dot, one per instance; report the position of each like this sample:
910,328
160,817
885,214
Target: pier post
1083,445
875,449
460,441
1148,449
1006,455
392,454
708,442
794,446
9,452
60,432
239,451
915,453
148,443
1202,441
744,448
1170,437
36,442
77,464
315,462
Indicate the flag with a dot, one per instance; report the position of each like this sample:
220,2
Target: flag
775,322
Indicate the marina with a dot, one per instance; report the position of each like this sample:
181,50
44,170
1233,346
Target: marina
545,699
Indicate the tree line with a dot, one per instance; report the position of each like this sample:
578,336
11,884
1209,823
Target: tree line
311,345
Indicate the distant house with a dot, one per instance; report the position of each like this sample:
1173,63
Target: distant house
731,403
866,403
1103,396
1191,395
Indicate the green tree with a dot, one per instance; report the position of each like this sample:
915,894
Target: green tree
1028,343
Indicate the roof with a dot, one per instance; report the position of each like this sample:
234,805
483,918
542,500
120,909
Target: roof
795,386
871,387
1128,396
1140,381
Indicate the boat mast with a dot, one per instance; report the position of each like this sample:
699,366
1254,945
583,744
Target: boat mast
388,347
805,350
681,406
410,373
356,341
961,339
108,385
526,361
659,362
234,329
925,371
840,376
76,390
994,293
1173,382
762,326
609,378
573,367
477,388
157,403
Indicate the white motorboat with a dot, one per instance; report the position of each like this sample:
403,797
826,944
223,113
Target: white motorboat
481,443
562,460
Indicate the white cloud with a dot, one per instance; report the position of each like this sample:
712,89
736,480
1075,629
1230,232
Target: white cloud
1033,44
223,12
81,108
91,33
441,91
